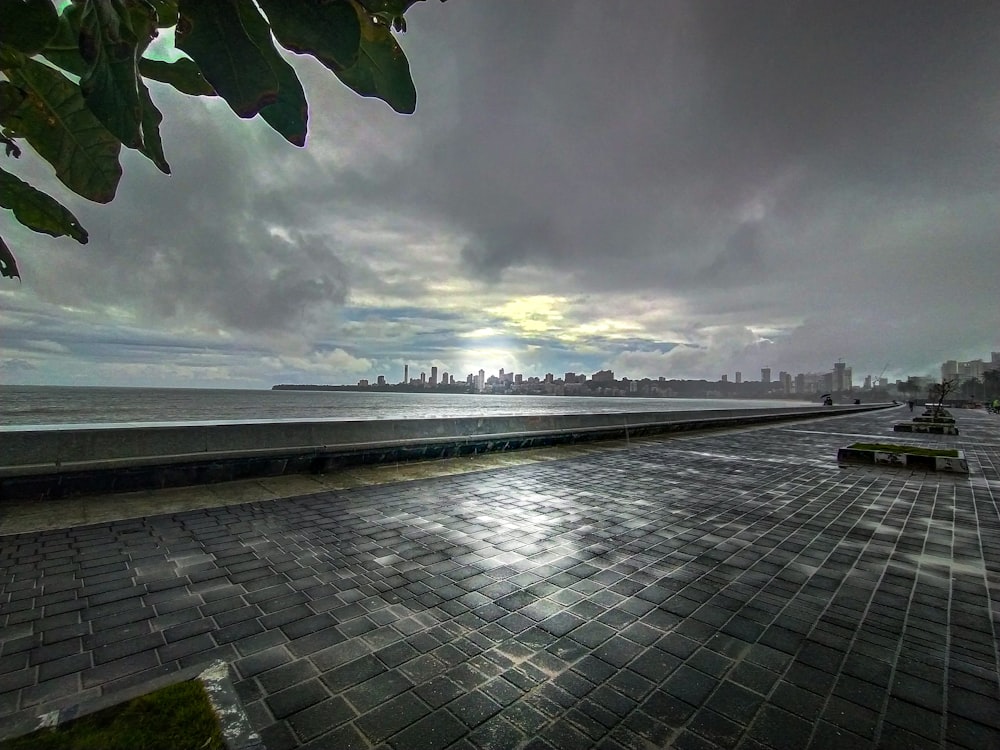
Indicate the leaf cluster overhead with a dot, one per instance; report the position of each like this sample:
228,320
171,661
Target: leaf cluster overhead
73,82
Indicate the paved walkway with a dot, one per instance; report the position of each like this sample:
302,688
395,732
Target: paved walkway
730,589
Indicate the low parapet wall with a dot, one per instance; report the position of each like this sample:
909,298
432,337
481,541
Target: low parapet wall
57,462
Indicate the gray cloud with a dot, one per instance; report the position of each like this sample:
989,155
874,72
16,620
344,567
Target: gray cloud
646,132
194,246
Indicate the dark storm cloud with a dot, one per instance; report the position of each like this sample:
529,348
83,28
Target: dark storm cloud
599,134
742,257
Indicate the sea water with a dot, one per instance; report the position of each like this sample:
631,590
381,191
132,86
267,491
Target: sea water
49,406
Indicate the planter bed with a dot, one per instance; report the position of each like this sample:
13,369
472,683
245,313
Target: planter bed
193,709
904,456
935,420
926,427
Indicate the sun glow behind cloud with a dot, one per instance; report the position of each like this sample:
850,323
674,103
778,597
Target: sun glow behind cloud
533,314
480,333
490,359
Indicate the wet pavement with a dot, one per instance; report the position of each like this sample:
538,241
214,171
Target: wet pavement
728,589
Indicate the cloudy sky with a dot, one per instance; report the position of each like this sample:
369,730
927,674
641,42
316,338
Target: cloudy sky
662,188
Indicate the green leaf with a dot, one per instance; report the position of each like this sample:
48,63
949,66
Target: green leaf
166,12
211,33
38,211
63,49
289,115
11,97
152,146
8,266
326,29
10,57
182,74
389,7
27,25
57,123
110,85
390,11
382,70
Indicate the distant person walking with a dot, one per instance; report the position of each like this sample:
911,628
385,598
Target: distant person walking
910,404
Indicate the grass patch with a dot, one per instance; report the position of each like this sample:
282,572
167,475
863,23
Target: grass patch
177,717
911,449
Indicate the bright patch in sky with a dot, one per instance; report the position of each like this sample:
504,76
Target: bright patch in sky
535,314
490,359
480,333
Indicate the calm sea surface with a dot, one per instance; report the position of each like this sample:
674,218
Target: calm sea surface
56,405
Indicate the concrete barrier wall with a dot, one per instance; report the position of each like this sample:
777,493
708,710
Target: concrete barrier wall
56,462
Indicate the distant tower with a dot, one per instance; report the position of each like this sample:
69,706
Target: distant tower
739,376
765,375
406,374
840,377
434,375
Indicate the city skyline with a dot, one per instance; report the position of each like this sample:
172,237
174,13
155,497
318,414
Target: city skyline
724,187
838,379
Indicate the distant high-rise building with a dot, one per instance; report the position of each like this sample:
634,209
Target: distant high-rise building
444,379
481,381
785,379
381,379
840,381
972,369
423,378
765,375
434,375
406,374
603,376
724,378
739,377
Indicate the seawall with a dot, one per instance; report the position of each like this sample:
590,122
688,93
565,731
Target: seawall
59,462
